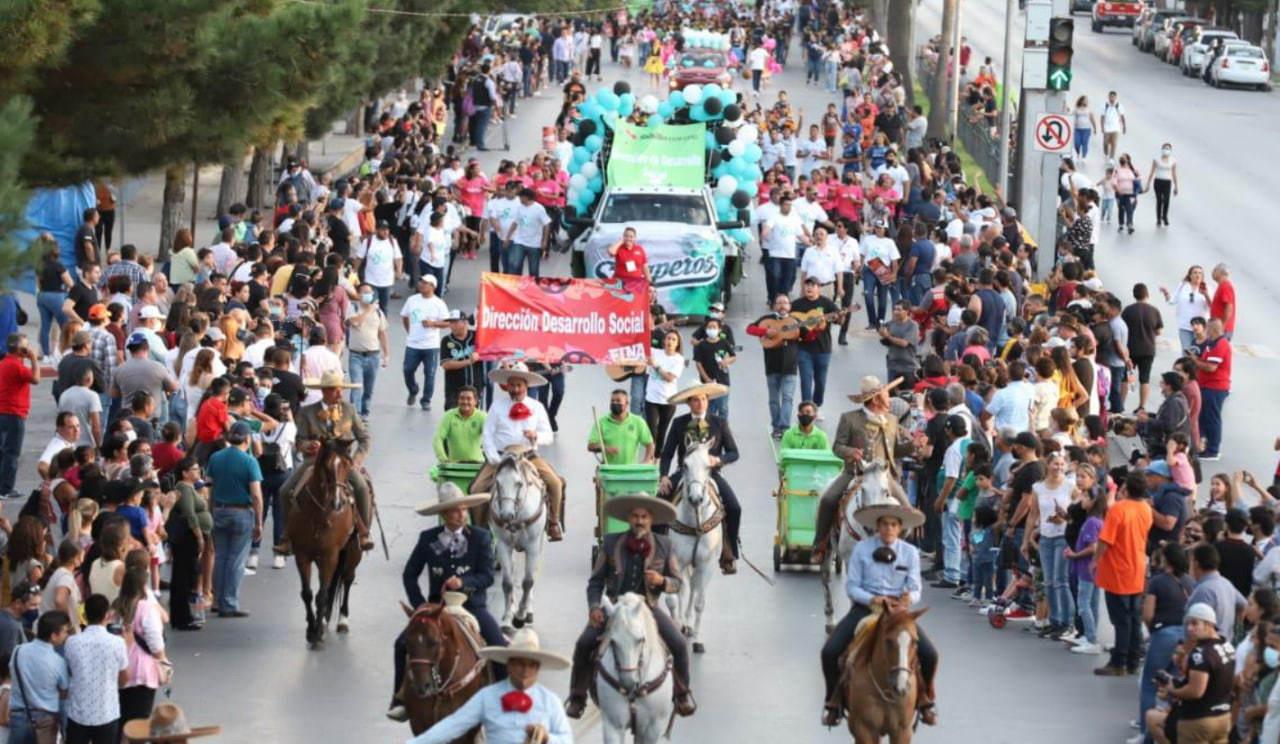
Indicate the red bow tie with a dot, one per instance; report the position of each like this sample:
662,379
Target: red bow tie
519,412
516,701
637,546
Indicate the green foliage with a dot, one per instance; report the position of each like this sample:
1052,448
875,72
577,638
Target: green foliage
17,131
34,33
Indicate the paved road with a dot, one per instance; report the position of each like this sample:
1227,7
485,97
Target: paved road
256,677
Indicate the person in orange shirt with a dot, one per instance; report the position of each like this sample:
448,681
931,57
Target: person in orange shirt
1120,563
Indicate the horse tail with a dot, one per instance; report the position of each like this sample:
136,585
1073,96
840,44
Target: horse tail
331,591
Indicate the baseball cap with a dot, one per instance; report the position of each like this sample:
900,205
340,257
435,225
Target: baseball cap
224,221
383,223
1199,611
430,279
455,315
150,312
1093,283
239,433
215,334
136,339
25,590
1160,468
337,202
99,312
717,306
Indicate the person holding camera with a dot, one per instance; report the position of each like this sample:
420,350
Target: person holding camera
1202,697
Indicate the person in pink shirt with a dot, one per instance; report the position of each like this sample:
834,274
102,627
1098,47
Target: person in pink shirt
849,198
549,192
473,191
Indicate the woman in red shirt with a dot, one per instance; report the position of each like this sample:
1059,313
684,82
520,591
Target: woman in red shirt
549,192
849,198
629,260
473,191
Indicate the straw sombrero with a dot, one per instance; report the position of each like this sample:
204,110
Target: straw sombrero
868,516
330,379
448,497
709,389
503,376
525,645
619,507
167,724
870,387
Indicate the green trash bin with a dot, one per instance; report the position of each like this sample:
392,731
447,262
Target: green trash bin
615,480
461,474
805,474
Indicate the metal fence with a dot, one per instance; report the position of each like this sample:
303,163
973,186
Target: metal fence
978,140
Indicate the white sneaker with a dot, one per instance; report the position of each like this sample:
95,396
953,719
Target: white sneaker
1135,739
1092,649
252,563
277,562
398,713
1069,636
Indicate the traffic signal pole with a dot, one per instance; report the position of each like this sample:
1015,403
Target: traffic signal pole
1006,92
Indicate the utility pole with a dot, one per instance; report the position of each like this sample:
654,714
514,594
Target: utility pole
953,86
1006,115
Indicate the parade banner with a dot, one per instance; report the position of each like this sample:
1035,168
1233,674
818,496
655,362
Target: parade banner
668,155
555,320
686,267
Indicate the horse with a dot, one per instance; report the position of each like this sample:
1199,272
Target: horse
443,668
871,488
696,540
634,680
322,530
879,679
518,518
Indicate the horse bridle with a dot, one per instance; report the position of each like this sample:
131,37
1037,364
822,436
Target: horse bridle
446,687
892,696
641,690
711,522
512,526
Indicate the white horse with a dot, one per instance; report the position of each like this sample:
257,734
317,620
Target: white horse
871,488
517,518
696,540
634,680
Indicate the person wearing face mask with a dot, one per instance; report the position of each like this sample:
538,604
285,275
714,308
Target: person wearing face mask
713,357
369,349
714,310
1163,177
804,435
621,434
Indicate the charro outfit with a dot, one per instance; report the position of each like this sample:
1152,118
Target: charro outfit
866,579
619,570
879,438
321,422
489,708
444,554
505,426
688,432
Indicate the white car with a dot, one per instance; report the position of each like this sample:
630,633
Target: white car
1241,65
1195,54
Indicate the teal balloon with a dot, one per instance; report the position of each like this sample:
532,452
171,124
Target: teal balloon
594,143
581,154
607,99
676,99
596,184
711,141
626,104
697,114
720,170
741,235
751,187
752,153
590,109
711,90
654,121
665,110
610,119
724,204
727,97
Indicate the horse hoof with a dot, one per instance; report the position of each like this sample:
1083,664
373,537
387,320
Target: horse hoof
685,631
342,626
698,648
517,623
316,645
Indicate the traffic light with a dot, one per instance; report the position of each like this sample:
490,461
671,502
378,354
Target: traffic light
1061,31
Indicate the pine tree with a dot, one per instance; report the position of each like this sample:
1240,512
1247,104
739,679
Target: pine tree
17,130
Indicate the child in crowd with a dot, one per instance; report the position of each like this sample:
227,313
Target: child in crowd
1087,592
1107,187
984,550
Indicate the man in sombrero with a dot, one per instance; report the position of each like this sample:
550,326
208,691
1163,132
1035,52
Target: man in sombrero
632,562
868,433
332,418
883,571
458,557
690,430
517,420
516,710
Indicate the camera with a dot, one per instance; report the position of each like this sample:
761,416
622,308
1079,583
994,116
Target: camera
1162,677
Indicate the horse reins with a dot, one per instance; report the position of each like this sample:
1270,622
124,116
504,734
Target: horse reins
640,691
447,687
710,524
511,526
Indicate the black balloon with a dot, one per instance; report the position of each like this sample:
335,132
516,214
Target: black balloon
622,86
580,137
732,112
712,105
587,127
741,199
725,135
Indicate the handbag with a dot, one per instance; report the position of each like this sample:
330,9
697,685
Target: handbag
46,726
166,667
882,270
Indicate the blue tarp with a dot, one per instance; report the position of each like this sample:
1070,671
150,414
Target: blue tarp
59,212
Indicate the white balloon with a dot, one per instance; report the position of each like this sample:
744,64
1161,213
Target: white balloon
693,94
747,133
736,148
572,195
649,104
590,169
726,185
578,181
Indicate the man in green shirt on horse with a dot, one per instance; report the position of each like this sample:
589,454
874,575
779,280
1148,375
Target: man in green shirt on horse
458,438
623,432
804,435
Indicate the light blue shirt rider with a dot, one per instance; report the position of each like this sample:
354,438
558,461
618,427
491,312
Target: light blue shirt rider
501,727
866,579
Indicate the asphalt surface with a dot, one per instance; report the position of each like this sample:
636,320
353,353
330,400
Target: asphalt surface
759,680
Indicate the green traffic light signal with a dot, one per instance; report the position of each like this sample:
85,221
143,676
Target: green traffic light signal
1059,78
1061,33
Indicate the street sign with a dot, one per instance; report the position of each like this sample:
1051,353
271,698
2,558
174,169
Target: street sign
1053,133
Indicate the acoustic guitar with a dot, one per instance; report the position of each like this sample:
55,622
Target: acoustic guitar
792,327
623,372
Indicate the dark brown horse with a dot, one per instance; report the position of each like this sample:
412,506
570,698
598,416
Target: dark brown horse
322,530
880,678
443,668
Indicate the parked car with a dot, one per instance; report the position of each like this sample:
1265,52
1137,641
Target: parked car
1186,32
701,66
1196,52
1241,64
1162,38
1149,23
1114,13
1081,6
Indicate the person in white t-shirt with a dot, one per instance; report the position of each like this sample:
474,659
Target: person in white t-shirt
499,213
822,262
433,245
813,151
317,360
451,174
382,263
423,316
757,59
526,234
1113,125
879,271
780,235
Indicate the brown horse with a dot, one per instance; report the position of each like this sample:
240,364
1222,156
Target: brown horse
322,530
880,679
443,668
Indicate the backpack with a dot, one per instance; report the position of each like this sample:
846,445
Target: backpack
272,458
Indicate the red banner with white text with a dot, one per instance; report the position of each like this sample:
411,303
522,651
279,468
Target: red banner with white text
555,320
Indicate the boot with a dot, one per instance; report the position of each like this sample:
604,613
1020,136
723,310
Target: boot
925,705
831,715
576,704
285,546
362,529
685,704
397,711
554,532
728,564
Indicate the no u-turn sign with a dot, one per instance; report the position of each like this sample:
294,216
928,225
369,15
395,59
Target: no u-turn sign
1053,133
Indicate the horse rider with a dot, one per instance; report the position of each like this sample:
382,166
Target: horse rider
332,418
517,419
868,433
621,434
460,559
690,430
459,437
632,562
883,570
516,710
